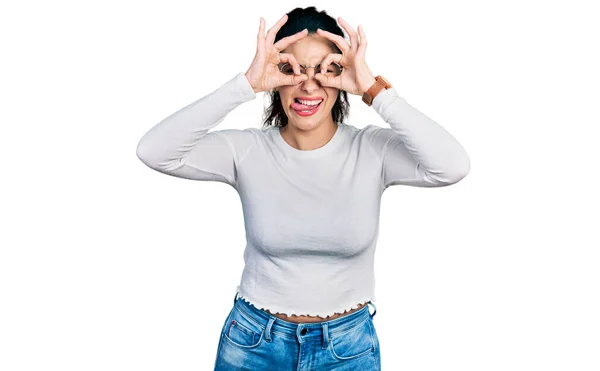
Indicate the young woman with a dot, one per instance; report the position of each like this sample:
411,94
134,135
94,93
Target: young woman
310,186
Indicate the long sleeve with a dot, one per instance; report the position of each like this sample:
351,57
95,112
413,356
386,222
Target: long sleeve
181,146
415,150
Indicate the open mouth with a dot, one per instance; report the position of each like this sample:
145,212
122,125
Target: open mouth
305,109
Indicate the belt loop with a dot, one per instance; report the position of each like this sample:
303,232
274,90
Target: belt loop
235,297
325,334
268,329
375,309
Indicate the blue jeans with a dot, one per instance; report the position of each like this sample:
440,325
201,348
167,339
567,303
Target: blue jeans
255,340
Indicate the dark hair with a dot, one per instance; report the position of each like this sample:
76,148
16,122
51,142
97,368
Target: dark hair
311,19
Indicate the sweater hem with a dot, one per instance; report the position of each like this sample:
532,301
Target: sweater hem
346,307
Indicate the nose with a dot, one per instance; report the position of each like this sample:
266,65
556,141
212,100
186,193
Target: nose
310,84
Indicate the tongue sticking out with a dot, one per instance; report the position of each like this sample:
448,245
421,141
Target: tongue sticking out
303,107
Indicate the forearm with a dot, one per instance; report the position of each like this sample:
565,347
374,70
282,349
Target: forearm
165,144
438,157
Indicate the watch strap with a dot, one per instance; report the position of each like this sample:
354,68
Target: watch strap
379,85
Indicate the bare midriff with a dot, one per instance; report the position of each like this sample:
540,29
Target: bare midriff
313,319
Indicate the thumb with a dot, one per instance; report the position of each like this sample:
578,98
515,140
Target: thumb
294,79
324,80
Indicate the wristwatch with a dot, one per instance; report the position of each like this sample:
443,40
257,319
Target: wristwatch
380,84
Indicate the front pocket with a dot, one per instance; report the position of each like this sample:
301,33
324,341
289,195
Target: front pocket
354,343
240,332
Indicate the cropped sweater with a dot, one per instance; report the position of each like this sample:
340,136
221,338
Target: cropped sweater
311,216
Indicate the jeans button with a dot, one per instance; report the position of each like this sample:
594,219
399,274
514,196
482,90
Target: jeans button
303,332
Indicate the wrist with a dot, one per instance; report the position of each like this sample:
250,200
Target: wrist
365,84
377,87
256,90
365,80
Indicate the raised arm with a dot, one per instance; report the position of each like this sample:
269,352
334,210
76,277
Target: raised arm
415,150
181,144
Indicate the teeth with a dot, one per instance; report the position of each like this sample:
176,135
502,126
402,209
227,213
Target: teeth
310,102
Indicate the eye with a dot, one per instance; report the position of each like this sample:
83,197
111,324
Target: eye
287,69
335,69
332,69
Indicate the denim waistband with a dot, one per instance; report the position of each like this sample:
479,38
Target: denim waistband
302,331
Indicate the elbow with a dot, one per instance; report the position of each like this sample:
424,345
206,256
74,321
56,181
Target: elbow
147,154
156,158
458,169
455,171
142,153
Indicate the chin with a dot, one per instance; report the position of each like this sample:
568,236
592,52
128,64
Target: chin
306,122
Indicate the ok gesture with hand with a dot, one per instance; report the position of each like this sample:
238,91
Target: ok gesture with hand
264,74
356,78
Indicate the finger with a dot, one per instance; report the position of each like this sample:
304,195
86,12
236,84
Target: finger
330,58
261,35
261,29
336,39
350,31
289,58
293,79
286,41
362,47
333,82
273,30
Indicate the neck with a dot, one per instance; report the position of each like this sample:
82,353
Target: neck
309,139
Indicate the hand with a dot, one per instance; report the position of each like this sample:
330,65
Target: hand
264,74
356,78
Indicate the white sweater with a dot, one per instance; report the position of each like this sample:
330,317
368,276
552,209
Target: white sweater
311,217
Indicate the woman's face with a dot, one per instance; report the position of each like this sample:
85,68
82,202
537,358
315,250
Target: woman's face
309,51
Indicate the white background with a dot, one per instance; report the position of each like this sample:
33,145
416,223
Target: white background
106,264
